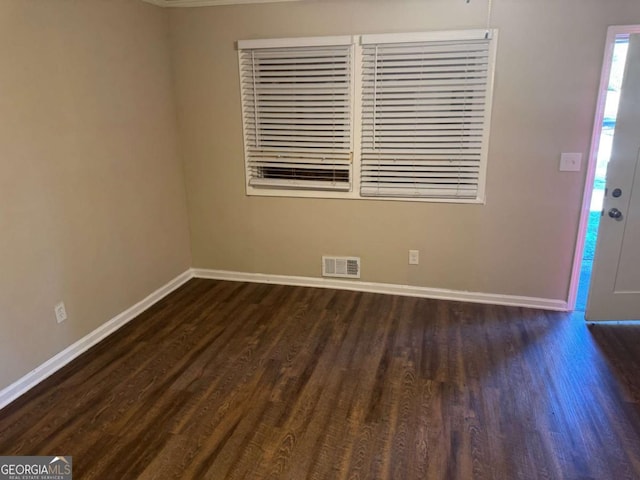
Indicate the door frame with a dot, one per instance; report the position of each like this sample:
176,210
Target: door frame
612,33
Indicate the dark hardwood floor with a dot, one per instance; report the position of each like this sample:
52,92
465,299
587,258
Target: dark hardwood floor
237,380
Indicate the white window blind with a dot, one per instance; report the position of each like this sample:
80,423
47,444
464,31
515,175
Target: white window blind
425,115
297,111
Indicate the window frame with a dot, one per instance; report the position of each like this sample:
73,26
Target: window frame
356,43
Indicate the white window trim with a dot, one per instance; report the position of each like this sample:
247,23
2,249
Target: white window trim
356,42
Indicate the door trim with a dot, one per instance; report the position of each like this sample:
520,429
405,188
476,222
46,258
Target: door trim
592,160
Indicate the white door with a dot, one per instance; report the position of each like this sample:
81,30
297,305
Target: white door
615,281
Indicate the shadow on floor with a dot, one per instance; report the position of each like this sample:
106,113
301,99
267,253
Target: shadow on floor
620,345
587,261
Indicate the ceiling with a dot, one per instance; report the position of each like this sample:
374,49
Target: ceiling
208,3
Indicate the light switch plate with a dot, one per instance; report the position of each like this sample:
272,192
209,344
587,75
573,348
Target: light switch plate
570,162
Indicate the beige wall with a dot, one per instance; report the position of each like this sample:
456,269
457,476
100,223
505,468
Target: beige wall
92,202
92,192
520,243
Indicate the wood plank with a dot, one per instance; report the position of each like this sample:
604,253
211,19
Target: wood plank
231,380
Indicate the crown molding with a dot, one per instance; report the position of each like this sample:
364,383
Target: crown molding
208,3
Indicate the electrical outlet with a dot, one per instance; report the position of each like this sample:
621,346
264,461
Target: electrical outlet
414,257
61,312
570,162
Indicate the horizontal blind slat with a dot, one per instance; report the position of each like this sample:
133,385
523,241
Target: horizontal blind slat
423,129
392,190
324,155
371,154
441,62
311,165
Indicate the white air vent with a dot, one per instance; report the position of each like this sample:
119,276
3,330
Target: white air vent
347,267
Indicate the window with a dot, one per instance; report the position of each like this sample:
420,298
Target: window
424,115
397,116
297,105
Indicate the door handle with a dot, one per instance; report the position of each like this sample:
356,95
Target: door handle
615,214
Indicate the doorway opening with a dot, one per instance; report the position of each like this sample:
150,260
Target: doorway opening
614,68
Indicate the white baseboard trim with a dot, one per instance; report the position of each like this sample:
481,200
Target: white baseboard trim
386,288
31,379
